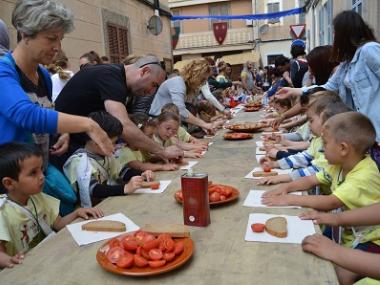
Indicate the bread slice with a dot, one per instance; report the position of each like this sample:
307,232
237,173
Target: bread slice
151,184
264,174
277,227
104,226
175,230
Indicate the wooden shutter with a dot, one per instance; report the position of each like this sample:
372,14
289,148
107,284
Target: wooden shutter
117,42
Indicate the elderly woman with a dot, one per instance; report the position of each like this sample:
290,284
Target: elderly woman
179,88
26,112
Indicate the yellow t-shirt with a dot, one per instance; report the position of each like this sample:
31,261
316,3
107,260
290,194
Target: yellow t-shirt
125,155
367,281
21,233
163,143
183,135
360,188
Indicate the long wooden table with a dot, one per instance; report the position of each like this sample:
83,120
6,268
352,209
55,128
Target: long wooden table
221,255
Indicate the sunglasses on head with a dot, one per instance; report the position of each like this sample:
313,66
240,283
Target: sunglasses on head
160,63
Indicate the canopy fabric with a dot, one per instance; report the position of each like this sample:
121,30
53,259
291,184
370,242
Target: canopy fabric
241,58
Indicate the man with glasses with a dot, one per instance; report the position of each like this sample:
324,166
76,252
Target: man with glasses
111,87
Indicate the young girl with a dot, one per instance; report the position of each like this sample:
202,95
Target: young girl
137,159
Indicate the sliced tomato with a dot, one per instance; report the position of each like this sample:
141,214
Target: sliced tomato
114,254
155,254
115,243
258,228
140,261
169,244
162,237
125,261
179,195
214,197
267,168
222,198
145,254
169,256
179,247
131,244
151,244
226,191
140,235
148,237
155,186
157,263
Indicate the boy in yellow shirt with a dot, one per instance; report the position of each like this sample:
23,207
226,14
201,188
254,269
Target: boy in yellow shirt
27,215
353,176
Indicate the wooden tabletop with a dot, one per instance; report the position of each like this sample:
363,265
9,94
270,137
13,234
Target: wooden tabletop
221,255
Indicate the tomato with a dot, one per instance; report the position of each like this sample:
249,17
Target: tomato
114,254
266,168
125,261
157,263
140,235
155,254
226,191
169,244
162,237
115,243
155,186
179,195
131,244
145,254
148,237
140,261
151,244
179,246
214,197
222,198
169,256
258,228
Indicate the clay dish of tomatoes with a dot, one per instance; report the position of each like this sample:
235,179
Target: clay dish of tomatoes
252,109
217,194
245,127
237,136
143,254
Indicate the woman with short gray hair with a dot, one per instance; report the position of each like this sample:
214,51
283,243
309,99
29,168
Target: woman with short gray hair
26,112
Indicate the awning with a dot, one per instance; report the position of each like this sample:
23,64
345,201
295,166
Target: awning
241,58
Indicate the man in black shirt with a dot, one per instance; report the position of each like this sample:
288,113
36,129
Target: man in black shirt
111,87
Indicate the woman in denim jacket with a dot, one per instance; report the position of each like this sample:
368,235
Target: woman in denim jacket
357,79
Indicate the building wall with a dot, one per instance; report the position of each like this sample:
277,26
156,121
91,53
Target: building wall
89,29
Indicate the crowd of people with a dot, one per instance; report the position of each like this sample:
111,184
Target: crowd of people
70,140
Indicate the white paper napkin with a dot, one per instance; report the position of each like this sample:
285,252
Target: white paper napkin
259,143
189,165
254,200
163,185
86,237
278,170
259,151
297,229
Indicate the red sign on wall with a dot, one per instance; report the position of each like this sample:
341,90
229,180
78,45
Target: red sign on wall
220,31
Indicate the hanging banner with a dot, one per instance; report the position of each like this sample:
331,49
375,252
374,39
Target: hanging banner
243,17
220,31
175,36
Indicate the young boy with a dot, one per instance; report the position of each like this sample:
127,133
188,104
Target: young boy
351,264
352,176
312,160
27,215
96,176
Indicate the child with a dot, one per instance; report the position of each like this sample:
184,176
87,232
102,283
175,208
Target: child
136,159
96,176
351,264
311,160
352,176
27,215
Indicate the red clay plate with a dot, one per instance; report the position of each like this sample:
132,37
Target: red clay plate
146,271
235,194
237,136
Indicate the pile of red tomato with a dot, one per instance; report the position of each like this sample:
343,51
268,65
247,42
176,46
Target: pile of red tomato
216,193
143,249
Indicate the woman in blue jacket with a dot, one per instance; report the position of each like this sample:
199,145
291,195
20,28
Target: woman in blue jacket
26,112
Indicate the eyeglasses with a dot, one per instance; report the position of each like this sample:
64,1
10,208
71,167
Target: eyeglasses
160,63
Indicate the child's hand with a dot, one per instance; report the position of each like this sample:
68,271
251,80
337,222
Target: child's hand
276,192
148,175
85,213
275,200
320,245
7,261
192,154
272,152
267,162
133,184
170,167
274,179
320,218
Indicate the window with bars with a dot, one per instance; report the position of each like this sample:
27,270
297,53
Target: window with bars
273,8
219,9
117,42
357,6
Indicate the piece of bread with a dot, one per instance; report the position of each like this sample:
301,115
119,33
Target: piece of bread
104,226
264,174
152,184
277,227
175,230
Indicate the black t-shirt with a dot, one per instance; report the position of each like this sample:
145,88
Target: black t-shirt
87,90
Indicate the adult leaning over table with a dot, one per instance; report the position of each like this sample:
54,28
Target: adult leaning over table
26,112
112,88
357,79
181,89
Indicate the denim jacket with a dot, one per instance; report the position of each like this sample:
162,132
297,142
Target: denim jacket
363,73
